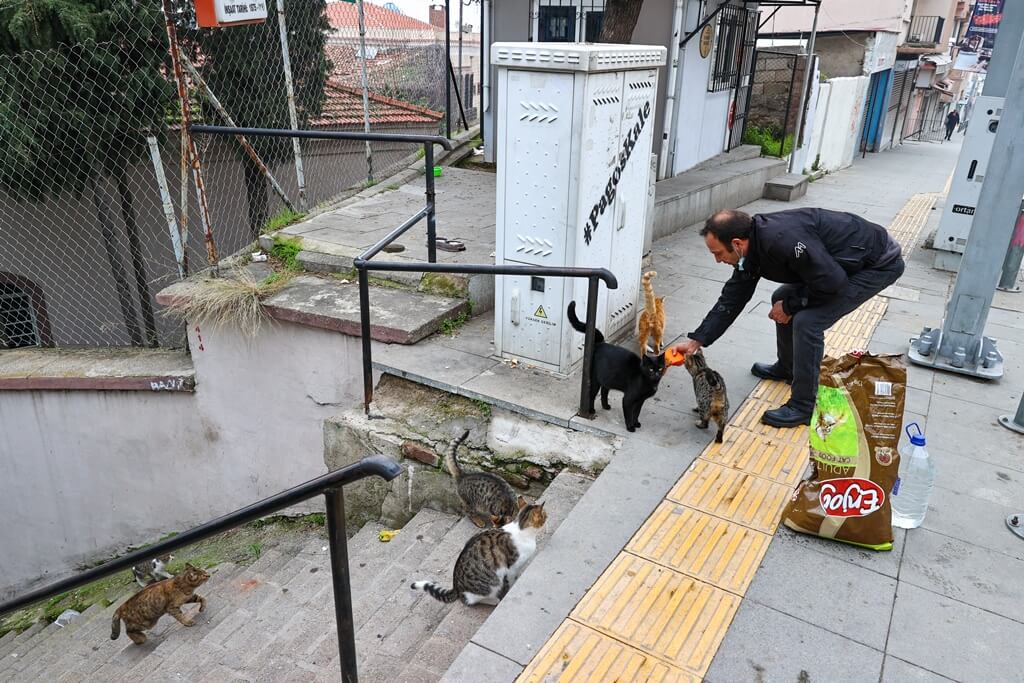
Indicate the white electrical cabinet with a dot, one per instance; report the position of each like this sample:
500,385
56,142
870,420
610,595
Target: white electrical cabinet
958,214
576,125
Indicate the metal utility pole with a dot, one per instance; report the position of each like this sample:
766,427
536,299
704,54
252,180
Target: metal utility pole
960,345
447,70
808,63
366,90
300,175
1011,266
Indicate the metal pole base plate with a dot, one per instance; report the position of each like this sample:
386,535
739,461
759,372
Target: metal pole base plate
1012,290
1015,523
932,360
1007,421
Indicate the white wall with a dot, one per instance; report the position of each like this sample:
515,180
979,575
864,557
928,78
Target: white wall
83,473
702,116
839,122
804,157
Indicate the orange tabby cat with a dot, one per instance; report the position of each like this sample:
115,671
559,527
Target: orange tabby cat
652,318
144,609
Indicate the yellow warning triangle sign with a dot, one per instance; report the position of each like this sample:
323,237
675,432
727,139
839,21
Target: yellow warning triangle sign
540,312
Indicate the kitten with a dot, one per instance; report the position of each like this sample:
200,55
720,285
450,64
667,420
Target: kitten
141,611
637,377
153,570
488,498
709,388
652,318
491,561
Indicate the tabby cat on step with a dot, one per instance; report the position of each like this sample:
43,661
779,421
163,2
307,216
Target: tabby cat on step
709,389
652,318
614,367
491,561
141,611
488,498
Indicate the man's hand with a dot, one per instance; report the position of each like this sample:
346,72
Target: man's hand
779,315
688,346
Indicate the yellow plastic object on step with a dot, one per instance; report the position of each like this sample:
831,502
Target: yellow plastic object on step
386,535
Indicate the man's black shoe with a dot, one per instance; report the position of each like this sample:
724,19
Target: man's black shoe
785,416
766,371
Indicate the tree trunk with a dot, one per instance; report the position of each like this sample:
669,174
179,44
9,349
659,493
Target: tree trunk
620,17
256,197
131,228
124,295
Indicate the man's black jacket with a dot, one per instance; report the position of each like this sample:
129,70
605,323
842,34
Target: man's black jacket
816,247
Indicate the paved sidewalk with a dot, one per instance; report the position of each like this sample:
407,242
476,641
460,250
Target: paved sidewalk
943,603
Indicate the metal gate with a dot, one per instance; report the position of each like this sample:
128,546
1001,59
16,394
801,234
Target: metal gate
744,79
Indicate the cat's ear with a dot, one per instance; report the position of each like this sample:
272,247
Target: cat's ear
188,566
521,501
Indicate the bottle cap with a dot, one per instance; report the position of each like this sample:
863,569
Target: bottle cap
917,436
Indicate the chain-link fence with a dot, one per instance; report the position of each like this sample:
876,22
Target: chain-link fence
774,101
97,211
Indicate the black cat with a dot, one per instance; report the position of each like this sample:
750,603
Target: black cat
621,369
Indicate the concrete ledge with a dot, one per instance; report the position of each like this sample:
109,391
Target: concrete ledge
96,369
786,188
397,316
692,196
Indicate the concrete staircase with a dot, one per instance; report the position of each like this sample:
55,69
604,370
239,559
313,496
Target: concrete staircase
274,620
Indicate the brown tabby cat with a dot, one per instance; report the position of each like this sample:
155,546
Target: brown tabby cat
488,498
491,561
709,390
652,318
144,609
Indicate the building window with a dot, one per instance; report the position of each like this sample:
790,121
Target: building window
569,21
19,325
725,58
557,24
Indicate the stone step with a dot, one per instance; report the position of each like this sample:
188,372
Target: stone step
92,650
454,632
22,657
20,639
786,187
397,316
55,645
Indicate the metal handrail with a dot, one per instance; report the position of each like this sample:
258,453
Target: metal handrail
329,484
363,264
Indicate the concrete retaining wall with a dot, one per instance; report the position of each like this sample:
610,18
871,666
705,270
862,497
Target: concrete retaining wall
83,474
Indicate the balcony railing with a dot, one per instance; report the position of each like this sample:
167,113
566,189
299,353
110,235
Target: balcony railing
925,30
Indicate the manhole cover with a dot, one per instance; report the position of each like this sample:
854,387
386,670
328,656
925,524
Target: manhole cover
394,248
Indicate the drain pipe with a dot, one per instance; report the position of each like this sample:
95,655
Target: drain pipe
671,89
799,131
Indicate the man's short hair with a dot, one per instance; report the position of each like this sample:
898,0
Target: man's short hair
728,225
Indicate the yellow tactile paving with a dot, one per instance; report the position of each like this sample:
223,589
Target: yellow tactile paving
731,494
782,461
578,653
695,543
660,611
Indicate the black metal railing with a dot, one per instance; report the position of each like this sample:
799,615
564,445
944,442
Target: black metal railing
330,485
363,264
925,30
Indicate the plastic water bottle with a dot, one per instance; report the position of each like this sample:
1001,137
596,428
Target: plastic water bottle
914,485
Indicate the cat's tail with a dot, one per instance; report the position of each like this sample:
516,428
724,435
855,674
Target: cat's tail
115,627
580,326
451,461
436,592
651,304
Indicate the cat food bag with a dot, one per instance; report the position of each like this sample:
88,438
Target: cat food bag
853,440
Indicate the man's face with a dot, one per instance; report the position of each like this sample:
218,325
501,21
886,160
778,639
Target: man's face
726,253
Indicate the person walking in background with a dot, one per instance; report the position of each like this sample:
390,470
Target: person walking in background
952,119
